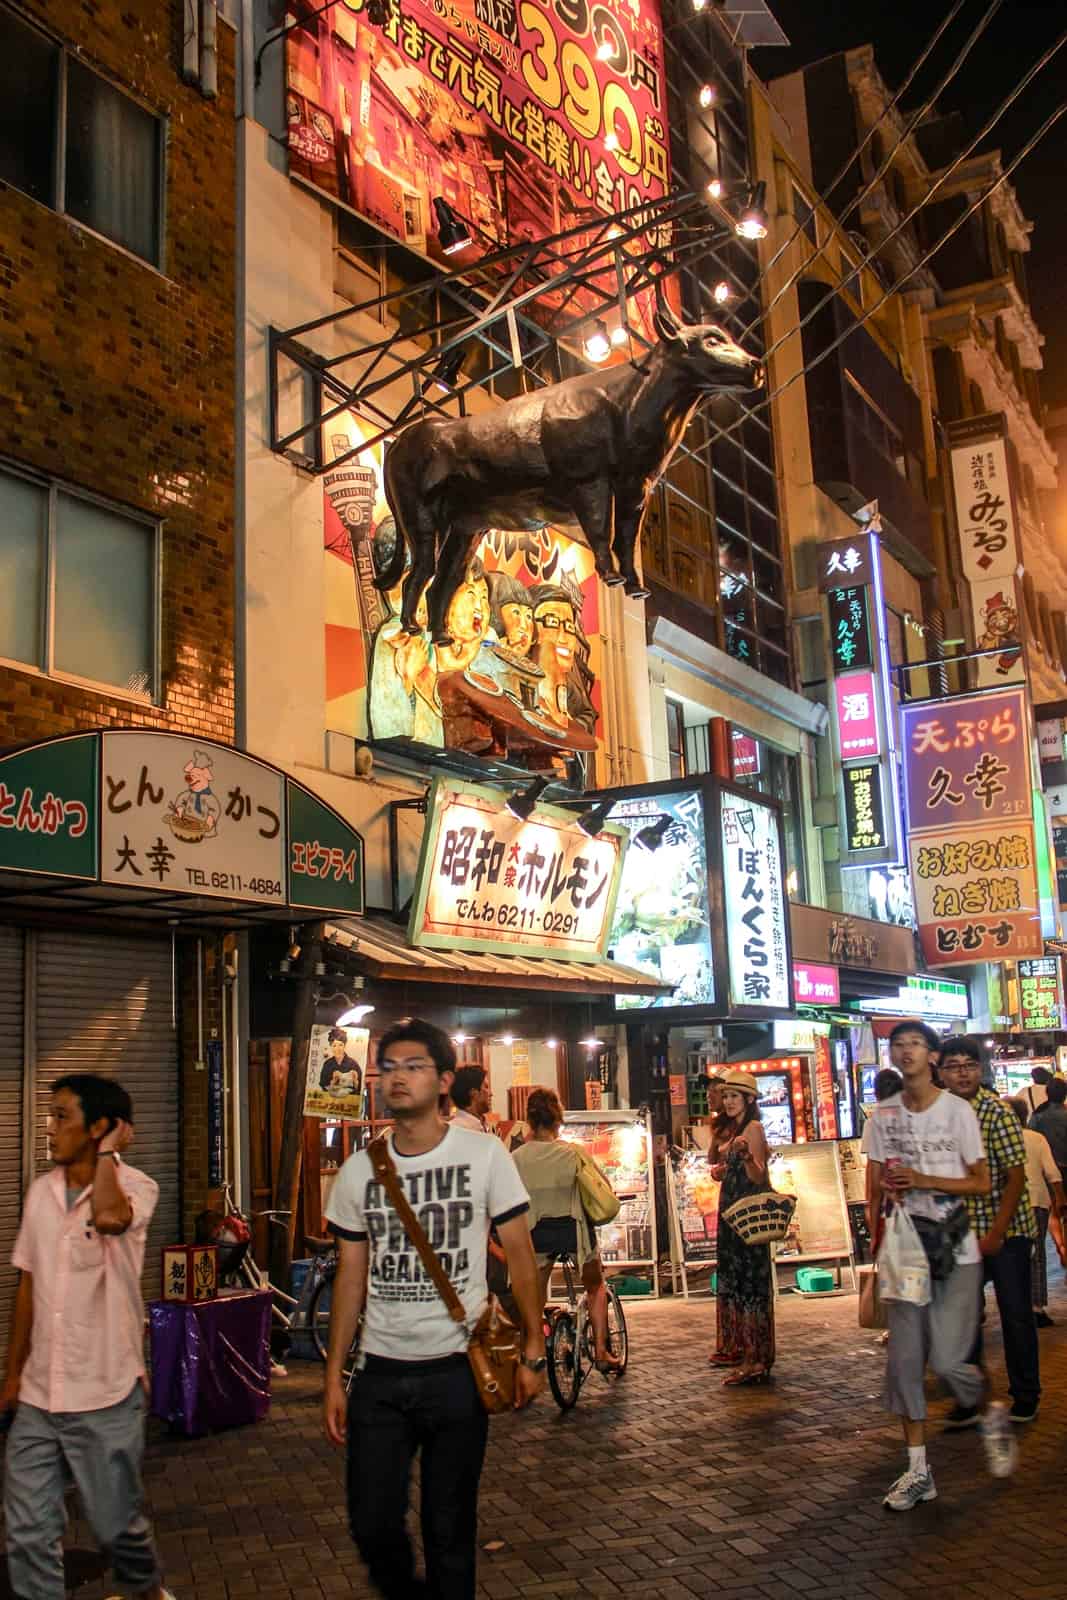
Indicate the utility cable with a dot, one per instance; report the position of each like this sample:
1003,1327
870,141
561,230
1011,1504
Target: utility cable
889,107
887,160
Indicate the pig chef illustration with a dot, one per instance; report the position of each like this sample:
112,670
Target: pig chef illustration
194,814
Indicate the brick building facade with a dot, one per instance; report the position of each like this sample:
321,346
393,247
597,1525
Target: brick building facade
117,341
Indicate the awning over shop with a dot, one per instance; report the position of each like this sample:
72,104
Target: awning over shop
383,948
168,828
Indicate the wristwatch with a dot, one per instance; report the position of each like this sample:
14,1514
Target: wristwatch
538,1364
115,1153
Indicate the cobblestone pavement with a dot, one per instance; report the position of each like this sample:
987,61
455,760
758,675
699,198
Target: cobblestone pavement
664,1485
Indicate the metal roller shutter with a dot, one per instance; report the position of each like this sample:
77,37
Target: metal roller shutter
104,1005
10,1116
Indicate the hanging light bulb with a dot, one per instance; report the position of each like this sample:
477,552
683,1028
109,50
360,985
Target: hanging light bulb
551,1044
620,335
715,188
460,1038
707,95
698,5
592,1043
507,1039
721,293
597,345
752,223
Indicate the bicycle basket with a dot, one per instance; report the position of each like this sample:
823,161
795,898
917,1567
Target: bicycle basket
231,1234
761,1218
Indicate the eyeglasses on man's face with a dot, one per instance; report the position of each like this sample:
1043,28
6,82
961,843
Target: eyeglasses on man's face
387,1068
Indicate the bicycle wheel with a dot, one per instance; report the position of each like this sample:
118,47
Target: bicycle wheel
319,1326
564,1361
618,1338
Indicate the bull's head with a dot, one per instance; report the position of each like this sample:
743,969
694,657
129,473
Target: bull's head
714,362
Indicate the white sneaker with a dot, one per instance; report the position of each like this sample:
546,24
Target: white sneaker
1001,1449
909,1489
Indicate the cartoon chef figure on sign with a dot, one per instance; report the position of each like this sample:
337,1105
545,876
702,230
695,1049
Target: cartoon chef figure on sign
194,814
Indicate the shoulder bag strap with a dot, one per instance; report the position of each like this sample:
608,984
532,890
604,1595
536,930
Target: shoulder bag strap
386,1173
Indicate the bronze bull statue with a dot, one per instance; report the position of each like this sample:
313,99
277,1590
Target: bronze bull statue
585,453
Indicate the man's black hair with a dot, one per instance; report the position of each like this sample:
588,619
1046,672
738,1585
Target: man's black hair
1040,1074
438,1045
1057,1092
923,1028
465,1086
887,1082
98,1097
960,1044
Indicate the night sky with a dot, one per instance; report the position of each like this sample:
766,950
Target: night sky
1014,39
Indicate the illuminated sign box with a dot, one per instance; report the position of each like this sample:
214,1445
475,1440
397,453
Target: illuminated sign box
702,903
921,997
815,985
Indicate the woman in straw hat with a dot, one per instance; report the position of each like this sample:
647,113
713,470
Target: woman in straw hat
745,1301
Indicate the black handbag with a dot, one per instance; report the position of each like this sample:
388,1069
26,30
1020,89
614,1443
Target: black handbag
941,1239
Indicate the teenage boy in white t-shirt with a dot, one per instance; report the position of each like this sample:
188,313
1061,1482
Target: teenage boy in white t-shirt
925,1152
415,1390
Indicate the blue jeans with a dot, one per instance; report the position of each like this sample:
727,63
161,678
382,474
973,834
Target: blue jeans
102,1450
398,1408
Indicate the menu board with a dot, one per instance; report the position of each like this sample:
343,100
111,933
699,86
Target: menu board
820,1224
697,1200
620,1143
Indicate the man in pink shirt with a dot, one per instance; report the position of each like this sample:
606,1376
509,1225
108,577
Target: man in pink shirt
75,1364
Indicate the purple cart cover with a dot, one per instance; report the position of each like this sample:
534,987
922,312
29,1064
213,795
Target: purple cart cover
211,1361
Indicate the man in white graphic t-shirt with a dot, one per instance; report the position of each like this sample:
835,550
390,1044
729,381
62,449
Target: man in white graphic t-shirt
415,1390
925,1153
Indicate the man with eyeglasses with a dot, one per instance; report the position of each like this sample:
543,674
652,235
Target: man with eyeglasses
1004,1222
415,1390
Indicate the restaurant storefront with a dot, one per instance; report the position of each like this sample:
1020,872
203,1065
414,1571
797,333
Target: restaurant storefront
130,864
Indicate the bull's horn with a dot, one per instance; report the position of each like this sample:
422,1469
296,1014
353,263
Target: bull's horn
665,322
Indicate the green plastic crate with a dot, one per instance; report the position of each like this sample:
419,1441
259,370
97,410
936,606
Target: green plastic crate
814,1280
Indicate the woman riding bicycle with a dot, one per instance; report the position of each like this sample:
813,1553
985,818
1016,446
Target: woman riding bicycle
559,1226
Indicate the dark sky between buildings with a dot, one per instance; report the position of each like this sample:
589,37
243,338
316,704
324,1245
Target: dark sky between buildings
1013,40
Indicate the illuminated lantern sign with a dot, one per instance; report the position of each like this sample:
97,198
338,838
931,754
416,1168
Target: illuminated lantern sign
757,912
989,552
846,563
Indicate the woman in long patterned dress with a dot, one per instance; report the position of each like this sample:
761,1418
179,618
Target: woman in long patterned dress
745,1299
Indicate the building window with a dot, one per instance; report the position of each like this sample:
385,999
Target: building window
676,738
73,141
78,587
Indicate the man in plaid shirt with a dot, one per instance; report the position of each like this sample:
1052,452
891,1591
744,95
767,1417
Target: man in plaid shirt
1004,1221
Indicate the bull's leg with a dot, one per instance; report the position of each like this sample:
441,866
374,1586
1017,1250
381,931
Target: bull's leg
452,562
629,509
592,505
418,522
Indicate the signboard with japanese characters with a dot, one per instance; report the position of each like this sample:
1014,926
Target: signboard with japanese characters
970,828
1039,995
745,754
850,629
187,815
856,698
989,554
336,1084
492,881
815,984
757,911
165,814
864,808
966,760
846,562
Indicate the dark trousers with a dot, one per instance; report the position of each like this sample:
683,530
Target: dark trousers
398,1408
1009,1272
1040,1283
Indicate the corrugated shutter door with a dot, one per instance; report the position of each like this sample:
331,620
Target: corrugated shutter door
10,1116
104,1005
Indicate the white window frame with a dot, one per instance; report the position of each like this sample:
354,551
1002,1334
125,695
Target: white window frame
53,488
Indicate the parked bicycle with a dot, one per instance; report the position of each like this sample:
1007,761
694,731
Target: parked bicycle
569,1343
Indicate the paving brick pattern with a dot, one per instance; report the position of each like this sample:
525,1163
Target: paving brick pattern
664,1486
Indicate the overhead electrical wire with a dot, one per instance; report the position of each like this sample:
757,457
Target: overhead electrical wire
927,256
914,118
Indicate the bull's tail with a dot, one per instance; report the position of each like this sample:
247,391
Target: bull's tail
391,576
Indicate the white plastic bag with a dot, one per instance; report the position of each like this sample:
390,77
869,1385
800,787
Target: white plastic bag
903,1270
